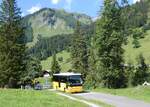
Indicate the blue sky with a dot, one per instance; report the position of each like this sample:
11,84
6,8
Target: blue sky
89,7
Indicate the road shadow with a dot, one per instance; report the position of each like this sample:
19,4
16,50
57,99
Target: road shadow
83,92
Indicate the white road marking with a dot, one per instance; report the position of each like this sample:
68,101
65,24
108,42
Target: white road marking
82,101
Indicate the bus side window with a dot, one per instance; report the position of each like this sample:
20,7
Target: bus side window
67,81
63,79
55,78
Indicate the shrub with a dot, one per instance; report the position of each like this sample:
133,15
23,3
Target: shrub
60,59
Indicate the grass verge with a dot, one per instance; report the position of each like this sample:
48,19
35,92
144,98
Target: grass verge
139,93
29,98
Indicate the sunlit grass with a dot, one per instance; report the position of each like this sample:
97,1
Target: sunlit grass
29,98
65,64
132,53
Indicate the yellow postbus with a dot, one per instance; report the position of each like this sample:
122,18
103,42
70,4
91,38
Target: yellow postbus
68,82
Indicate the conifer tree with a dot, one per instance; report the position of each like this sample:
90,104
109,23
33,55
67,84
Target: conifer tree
109,45
142,74
12,45
55,67
79,51
93,75
129,73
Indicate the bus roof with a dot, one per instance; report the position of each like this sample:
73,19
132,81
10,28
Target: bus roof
66,74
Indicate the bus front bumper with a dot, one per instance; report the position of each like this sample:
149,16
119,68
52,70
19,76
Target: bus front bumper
74,89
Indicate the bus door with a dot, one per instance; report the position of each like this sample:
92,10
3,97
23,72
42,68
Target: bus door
63,82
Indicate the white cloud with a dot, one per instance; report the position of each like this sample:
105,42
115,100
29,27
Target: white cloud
34,8
68,4
22,14
95,18
134,1
55,1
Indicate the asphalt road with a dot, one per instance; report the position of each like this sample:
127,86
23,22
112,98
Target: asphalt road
79,100
117,101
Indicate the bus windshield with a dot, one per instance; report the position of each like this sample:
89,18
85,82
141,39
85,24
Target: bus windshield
75,79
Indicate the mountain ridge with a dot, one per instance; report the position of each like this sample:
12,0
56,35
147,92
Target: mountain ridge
49,22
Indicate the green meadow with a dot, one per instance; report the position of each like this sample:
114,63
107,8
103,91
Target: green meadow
65,64
130,54
31,98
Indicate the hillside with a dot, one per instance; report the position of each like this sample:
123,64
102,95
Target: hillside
139,18
130,54
50,22
50,30
57,22
65,63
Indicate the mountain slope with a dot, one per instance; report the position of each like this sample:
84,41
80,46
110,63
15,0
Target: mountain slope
50,22
132,53
136,20
65,63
